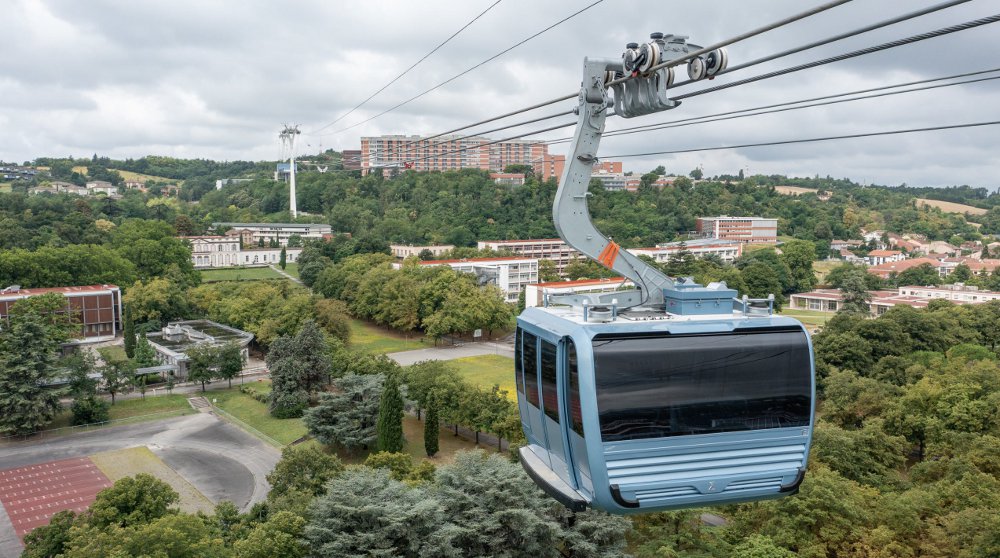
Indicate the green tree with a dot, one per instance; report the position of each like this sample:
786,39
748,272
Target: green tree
117,376
923,274
432,429
346,417
390,417
231,361
203,364
761,281
696,173
547,270
145,354
854,290
132,501
399,464
49,540
27,362
128,332
799,256
282,260
280,535
303,468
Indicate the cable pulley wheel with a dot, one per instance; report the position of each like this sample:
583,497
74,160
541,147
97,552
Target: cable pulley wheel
697,69
716,61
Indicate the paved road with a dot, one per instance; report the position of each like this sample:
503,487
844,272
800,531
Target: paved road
406,358
219,459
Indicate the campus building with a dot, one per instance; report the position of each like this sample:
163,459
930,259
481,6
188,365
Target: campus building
534,295
174,341
226,251
254,233
445,153
549,166
554,249
510,275
748,230
97,308
403,251
831,300
727,250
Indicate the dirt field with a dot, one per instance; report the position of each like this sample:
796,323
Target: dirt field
950,207
794,190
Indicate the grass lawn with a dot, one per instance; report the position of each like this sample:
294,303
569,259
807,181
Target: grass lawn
129,408
254,413
486,370
5,186
808,317
239,274
118,464
292,268
373,339
823,268
113,353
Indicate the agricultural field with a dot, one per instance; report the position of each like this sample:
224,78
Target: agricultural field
239,274
133,176
951,207
488,370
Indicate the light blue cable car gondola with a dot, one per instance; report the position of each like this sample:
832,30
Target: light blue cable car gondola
666,396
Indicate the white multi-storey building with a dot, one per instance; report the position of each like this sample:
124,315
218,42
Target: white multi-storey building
554,249
728,250
510,275
225,251
253,233
749,230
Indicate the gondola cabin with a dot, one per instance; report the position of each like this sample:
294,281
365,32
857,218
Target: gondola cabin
703,401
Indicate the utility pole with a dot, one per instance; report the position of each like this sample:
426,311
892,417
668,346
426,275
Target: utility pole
288,138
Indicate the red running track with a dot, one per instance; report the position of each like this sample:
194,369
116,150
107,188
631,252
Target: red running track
33,494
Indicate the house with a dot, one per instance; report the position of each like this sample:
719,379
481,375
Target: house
887,269
97,308
95,187
878,257
837,245
850,257
174,341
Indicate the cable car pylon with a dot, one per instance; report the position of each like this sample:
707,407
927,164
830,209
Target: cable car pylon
670,395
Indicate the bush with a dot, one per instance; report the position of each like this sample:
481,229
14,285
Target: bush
289,405
257,396
90,410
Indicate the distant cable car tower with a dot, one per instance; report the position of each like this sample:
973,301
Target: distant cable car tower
288,136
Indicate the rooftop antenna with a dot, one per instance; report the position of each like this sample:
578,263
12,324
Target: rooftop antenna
288,136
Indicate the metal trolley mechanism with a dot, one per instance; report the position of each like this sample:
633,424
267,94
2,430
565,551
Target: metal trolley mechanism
665,396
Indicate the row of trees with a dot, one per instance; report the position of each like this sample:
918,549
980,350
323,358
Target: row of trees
436,299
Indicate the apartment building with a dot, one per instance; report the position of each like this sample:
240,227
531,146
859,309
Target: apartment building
445,153
549,166
748,230
97,308
511,275
728,250
554,249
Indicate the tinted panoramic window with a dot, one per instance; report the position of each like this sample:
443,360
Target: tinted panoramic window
529,352
518,365
575,415
550,395
653,387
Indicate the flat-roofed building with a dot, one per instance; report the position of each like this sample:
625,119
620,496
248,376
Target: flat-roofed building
403,251
510,274
97,308
449,152
831,300
174,341
226,251
253,233
507,178
549,166
748,230
554,249
727,250
534,295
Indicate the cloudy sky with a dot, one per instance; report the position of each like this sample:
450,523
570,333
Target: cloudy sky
189,78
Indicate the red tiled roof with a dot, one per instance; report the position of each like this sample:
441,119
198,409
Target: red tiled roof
901,266
521,241
884,253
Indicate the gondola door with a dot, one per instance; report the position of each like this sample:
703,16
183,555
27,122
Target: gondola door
548,377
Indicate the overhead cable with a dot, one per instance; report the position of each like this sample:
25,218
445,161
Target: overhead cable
406,71
807,140
835,38
466,71
575,94
788,106
741,37
853,54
